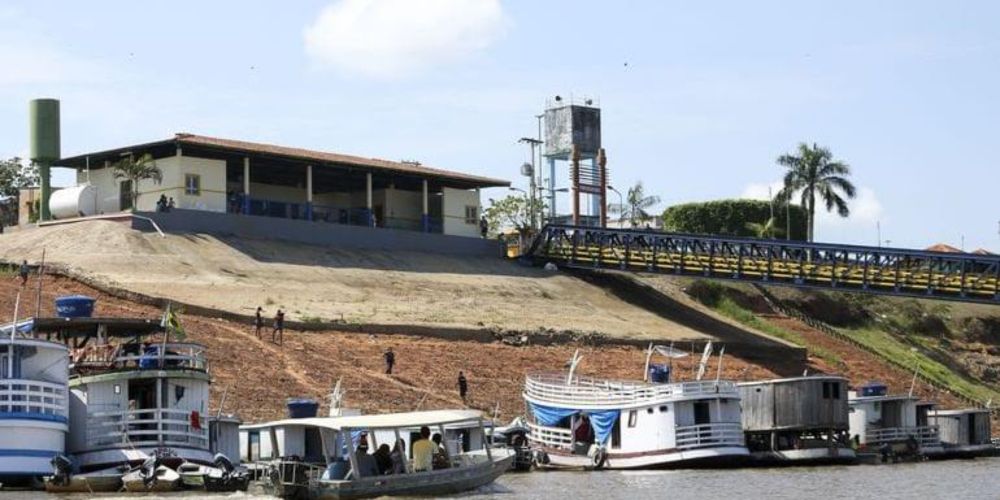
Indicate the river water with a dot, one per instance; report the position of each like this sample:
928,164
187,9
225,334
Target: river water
959,479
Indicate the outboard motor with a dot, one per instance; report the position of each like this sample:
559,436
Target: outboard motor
148,471
222,462
62,469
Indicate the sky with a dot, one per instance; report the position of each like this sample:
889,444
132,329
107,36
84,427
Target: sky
697,98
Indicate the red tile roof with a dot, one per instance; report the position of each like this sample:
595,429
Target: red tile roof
941,247
322,156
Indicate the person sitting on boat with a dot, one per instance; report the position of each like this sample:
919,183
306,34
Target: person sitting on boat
383,459
423,451
398,457
367,466
440,455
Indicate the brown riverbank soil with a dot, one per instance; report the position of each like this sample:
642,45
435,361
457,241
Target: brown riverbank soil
258,375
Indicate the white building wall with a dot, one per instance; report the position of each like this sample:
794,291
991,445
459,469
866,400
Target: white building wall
453,207
212,174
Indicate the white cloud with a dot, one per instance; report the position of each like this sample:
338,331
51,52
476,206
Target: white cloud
391,38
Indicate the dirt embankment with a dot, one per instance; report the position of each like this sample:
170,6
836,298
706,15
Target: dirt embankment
259,375
328,285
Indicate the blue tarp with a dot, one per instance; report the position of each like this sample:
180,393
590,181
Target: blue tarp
602,421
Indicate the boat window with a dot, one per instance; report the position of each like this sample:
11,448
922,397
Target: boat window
663,409
835,389
632,417
649,410
826,390
701,414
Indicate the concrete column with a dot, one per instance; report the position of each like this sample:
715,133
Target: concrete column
426,218
309,192
368,202
246,185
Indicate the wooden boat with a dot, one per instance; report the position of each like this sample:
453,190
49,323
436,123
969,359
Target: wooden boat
336,477
164,479
109,481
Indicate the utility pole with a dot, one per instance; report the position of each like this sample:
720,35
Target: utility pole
532,143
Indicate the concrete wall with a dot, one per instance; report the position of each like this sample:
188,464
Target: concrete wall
317,233
211,198
453,206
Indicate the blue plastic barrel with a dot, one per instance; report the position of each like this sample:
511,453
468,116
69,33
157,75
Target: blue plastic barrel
74,306
659,374
302,407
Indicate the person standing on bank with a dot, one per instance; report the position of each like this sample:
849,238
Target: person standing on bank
463,385
390,359
484,226
258,322
24,271
279,327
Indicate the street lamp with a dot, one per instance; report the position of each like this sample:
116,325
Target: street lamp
621,205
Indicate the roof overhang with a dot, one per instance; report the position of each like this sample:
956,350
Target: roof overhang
372,422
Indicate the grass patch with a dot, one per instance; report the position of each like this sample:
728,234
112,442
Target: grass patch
891,347
727,307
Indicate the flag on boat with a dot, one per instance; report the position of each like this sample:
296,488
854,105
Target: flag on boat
171,324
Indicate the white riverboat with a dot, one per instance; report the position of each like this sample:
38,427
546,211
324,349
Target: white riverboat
33,404
132,394
892,427
591,423
965,433
329,461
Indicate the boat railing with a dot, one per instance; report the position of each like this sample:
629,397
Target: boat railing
925,436
152,427
586,391
550,437
175,356
708,435
33,397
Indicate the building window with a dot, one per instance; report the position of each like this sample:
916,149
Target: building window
471,214
632,417
192,184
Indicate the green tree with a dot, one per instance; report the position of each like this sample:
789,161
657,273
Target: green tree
134,170
770,229
812,173
512,212
635,205
15,175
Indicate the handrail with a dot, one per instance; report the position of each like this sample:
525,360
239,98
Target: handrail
597,392
927,435
144,427
33,396
178,355
715,434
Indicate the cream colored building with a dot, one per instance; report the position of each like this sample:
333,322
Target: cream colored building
227,176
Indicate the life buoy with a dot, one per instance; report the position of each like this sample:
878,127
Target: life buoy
600,458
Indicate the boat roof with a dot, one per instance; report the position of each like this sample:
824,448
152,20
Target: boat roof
383,421
961,411
113,327
871,399
793,379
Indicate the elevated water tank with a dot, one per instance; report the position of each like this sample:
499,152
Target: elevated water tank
77,201
74,306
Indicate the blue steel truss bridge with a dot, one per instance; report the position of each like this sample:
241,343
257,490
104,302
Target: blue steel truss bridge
890,271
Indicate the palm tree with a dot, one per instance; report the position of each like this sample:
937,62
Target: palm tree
769,229
635,205
136,169
813,172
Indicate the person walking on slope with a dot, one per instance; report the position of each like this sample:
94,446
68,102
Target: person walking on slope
463,385
258,322
25,270
279,327
390,359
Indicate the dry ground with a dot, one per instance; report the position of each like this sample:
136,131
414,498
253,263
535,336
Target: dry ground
313,283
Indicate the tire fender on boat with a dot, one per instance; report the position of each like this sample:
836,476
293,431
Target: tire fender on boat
600,458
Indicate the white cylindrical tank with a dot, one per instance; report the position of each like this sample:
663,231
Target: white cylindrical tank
76,201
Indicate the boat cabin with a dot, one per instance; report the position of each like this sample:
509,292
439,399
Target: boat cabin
801,419
899,422
132,392
33,403
964,433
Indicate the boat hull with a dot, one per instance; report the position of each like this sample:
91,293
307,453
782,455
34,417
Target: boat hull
28,447
87,483
720,457
814,456
166,480
111,457
436,483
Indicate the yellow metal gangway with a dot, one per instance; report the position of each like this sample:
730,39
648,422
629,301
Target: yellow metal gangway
892,271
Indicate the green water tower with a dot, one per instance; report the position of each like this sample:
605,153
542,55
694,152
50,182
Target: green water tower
43,117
